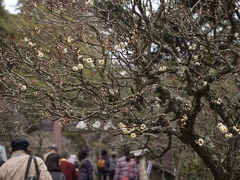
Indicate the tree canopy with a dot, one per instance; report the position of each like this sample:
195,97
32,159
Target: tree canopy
146,69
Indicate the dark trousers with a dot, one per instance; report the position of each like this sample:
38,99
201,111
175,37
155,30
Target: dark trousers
111,175
102,175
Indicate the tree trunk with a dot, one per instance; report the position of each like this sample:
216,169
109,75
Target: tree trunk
207,154
142,173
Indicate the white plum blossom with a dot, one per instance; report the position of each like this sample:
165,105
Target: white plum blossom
228,135
197,64
219,124
201,47
235,129
133,135
89,61
218,101
184,119
40,54
81,125
104,112
75,68
26,39
97,124
162,68
69,39
200,142
89,2
178,49
222,128
80,66
195,57
30,44
204,83
125,131
111,91
143,126
65,50
101,61
22,87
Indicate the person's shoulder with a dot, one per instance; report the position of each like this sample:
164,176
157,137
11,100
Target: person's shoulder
87,161
39,160
122,158
70,164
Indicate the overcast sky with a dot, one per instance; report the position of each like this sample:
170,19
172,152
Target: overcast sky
10,6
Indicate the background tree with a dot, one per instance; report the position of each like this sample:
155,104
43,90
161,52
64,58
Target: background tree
147,69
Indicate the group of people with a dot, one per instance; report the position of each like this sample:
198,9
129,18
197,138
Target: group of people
54,166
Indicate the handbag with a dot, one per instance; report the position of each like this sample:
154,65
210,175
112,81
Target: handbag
36,168
126,177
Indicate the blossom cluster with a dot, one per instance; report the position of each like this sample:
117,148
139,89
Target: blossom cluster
184,119
162,68
218,101
22,87
236,129
88,61
224,130
126,130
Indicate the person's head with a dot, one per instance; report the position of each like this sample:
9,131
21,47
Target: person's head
63,155
82,154
52,162
19,143
104,152
53,147
1,162
113,154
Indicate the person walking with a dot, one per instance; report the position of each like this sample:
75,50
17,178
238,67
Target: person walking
53,167
112,166
52,149
67,168
84,165
126,167
103,165
21,165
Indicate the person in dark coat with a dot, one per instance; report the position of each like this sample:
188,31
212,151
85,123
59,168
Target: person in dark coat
84,165
52,163
103,172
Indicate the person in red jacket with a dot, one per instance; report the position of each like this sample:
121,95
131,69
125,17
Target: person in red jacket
67,168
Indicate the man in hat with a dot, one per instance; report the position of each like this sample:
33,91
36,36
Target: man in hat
15,167
52,149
